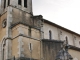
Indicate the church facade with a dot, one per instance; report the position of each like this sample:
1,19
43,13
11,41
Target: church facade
24,36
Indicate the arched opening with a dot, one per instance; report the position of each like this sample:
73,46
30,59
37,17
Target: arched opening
4,49
66,39
50,34
19,2
4,4
29,31
8,2
79,42
25,3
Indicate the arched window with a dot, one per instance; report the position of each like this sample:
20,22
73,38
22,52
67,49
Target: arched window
66,39
4,3
50,34
19,2
4,49
8,2
29,31
25,3
74,41
79,42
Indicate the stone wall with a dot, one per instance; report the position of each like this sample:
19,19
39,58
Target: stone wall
2,30
24,45
60,34
15,4
75,54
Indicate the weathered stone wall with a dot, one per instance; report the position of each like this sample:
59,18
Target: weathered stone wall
59,34
17,32
15,48
2,30
24,45
46,28
22,17
35,34
14,3
29,5
51,49
32,52
75,54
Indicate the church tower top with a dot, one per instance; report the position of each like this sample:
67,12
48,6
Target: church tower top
25,5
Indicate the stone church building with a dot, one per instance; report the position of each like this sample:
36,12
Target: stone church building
24,36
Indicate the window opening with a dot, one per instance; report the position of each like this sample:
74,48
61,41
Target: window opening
29,31
4,50
3,54
4,3
50,35
66,39
25,3
19,2
79,42
8,2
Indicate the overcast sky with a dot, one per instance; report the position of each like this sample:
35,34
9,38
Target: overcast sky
65,13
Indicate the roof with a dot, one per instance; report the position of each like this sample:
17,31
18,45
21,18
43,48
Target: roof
58,26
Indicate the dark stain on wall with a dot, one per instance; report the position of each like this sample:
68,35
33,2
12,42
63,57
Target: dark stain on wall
51,48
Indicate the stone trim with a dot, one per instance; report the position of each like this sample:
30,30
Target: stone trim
13,25
60,27
20,9
0,51
21,32
8,33
1,46
22,58
3,13
74,48
52,40
20,46
22,26
7,53
25,37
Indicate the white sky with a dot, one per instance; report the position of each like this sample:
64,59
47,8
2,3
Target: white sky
65,13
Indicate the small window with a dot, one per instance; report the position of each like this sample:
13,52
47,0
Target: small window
74,40
66,39
3,54
4,44
8,2
30,47
50,34
25,3
29,32
19,2
79,42
4,23
4,3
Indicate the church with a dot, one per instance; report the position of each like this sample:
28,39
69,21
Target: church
24,36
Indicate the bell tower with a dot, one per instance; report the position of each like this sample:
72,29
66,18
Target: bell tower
20,31
25,5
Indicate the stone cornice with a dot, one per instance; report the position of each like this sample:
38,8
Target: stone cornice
13,25
74,48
